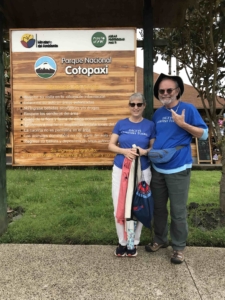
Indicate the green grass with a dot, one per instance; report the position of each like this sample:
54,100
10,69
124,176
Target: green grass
70,206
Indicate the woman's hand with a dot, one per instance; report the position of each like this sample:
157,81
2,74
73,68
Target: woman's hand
130,153
143,152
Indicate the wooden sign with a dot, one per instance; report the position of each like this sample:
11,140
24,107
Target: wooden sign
204,152
69,88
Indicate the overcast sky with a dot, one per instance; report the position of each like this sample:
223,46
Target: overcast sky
161,66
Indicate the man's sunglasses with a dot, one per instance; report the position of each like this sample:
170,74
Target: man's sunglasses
138,104
168,91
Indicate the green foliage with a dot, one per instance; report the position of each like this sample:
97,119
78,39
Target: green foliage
8,119
75,207
6,62
199,47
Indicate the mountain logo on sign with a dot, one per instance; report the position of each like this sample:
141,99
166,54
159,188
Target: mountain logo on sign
27,40
45,67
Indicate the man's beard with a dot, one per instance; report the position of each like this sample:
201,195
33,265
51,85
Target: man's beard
167,101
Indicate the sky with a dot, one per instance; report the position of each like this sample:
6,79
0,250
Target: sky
161,66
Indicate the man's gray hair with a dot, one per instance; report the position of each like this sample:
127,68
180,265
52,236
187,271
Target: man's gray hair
138,96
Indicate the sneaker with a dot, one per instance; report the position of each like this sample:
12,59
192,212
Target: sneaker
177,257
121,251
132,252
155,247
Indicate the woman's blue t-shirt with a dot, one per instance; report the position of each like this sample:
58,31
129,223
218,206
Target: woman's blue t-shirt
131,133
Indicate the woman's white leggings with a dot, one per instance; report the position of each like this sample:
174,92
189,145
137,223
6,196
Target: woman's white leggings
116,177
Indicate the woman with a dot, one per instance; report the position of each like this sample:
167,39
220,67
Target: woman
127,132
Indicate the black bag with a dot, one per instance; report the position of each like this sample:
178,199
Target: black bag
143,204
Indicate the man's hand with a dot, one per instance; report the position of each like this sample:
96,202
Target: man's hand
179,119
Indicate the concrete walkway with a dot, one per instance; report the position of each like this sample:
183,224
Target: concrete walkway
62,272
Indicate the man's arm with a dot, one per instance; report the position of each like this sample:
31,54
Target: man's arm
193,130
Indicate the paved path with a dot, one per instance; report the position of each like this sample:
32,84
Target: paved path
62,272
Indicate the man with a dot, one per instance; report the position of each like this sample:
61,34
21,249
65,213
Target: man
176,123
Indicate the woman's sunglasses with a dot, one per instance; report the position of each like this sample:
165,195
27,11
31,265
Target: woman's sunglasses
138,104
168,91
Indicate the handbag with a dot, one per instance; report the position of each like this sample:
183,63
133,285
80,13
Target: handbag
143,204
131,221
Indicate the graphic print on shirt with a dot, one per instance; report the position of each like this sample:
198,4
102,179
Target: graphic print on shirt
166,120
134,131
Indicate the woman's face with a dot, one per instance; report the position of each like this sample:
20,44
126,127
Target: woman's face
136,107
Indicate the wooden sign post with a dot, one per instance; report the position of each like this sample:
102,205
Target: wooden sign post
204,152
69,88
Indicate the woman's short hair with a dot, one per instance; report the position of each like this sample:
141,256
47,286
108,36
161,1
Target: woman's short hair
138,96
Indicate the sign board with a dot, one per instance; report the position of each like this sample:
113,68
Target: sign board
204,152
69,88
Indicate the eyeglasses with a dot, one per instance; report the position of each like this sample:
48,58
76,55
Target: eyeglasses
138,104
168,91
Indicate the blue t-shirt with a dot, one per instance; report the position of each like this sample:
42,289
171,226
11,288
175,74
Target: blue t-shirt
131,133
169,135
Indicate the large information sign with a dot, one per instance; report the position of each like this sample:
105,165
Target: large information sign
69,88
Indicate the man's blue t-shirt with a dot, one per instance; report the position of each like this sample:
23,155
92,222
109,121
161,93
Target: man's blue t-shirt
131,133
169,135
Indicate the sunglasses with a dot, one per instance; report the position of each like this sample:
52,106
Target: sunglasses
168,91
138,104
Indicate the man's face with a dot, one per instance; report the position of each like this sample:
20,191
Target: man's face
168,91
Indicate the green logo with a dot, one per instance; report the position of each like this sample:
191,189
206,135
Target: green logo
98,39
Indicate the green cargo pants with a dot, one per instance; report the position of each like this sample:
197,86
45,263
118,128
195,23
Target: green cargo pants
174,187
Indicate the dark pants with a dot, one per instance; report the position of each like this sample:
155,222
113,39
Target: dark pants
175,187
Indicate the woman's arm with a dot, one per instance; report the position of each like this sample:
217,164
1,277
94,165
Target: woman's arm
113,146
145,151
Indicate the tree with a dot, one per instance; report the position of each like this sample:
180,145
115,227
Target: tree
6,62
199,46
8,124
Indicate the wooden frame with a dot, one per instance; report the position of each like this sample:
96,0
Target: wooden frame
204,151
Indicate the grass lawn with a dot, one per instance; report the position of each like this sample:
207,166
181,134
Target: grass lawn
70,206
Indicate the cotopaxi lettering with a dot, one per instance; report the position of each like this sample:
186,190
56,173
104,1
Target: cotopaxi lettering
86,71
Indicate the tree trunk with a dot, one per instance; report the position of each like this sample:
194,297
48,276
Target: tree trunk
3,205
222,181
